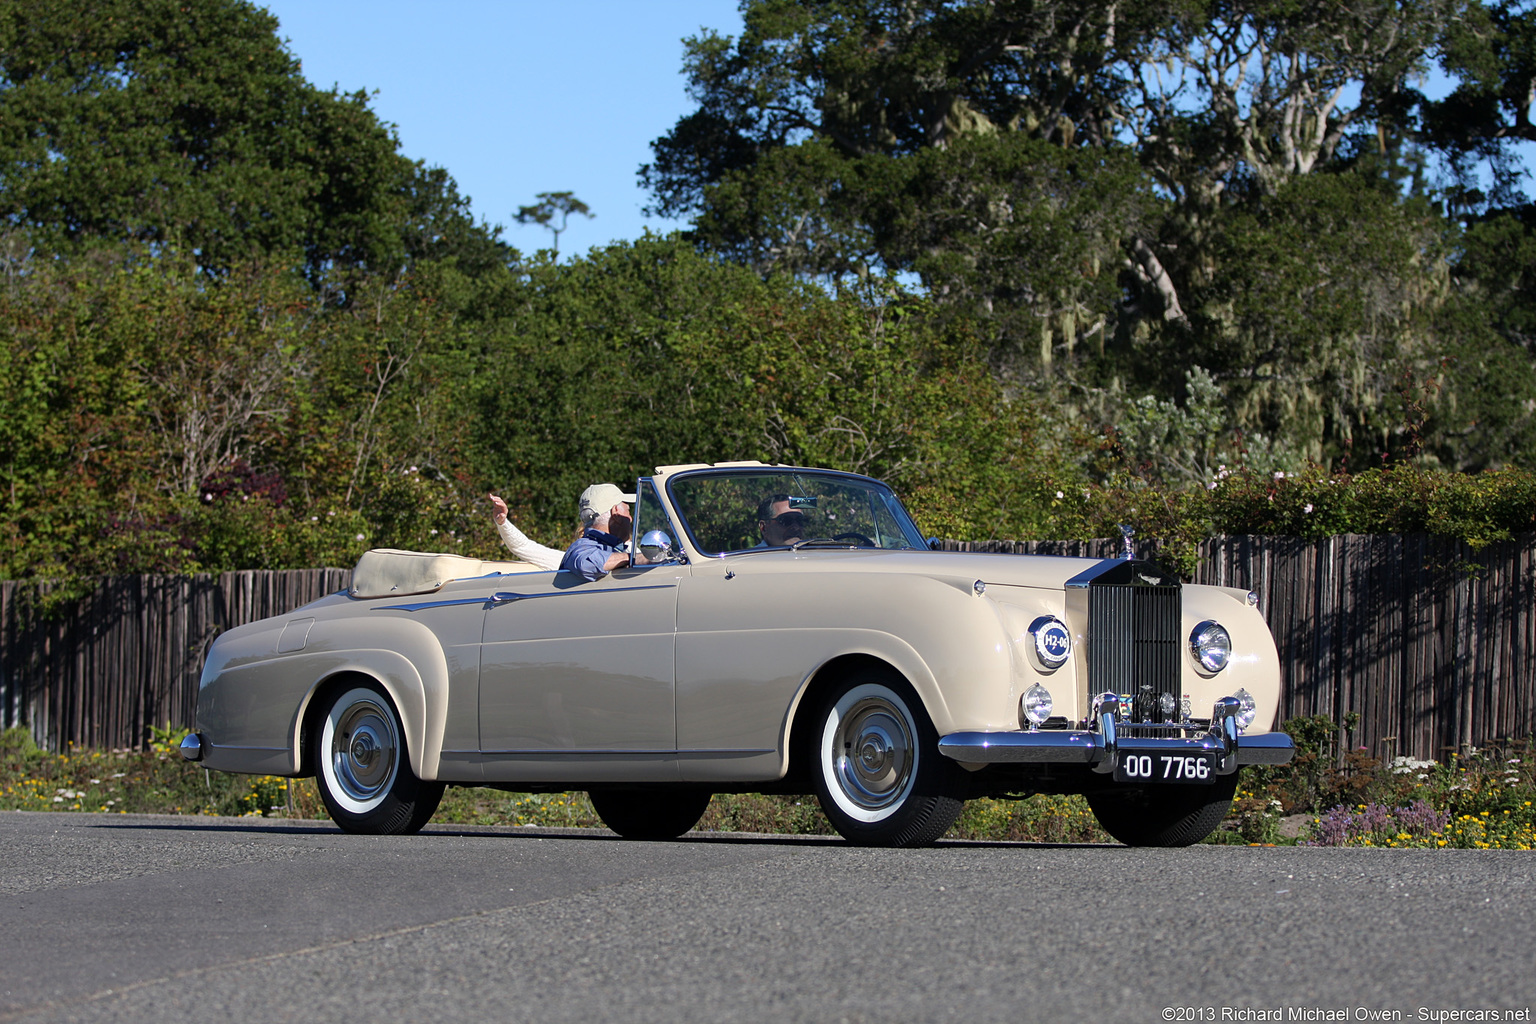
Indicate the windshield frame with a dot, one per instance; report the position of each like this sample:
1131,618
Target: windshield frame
911,534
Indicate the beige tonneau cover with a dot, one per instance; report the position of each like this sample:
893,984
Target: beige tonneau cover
390,572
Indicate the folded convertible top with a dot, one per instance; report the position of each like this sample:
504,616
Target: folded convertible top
390,572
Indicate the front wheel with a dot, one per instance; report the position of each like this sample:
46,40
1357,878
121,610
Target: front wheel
879,775
1163,815
649,814
363,769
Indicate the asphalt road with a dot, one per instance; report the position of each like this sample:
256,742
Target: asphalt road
124,918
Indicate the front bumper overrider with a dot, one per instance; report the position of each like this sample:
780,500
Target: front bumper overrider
1103,748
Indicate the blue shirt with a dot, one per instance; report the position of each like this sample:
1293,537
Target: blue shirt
589,553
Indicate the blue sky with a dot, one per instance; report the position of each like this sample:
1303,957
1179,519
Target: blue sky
517,98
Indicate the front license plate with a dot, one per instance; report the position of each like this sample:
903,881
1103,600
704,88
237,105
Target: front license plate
1170,767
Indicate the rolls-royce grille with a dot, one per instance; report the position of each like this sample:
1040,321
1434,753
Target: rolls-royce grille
1133,645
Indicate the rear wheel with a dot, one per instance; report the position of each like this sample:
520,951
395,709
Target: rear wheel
364,770
878,772
1163,815
649,814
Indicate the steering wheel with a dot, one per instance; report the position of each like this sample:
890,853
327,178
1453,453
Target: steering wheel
858,537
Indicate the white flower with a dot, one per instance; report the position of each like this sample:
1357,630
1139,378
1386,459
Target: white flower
1279,476
331,512
1308,507
314,519
412,469
1060,495
359,536
208,496
1211,486
432,532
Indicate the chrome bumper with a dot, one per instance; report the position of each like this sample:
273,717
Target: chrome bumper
1103,748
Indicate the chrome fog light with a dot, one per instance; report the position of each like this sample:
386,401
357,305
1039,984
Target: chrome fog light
1035,706
1211,646
1247,708
1053,641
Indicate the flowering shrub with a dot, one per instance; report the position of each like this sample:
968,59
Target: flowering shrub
1377,825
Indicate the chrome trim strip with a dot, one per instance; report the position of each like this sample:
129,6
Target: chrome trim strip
1078,746
419,605
743,752
507,596
691,754
575,755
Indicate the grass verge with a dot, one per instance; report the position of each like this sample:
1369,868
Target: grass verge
1478,799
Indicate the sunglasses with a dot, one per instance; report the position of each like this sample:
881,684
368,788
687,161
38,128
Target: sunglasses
787,519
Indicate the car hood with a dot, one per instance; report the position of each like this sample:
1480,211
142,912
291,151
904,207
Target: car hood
1041,571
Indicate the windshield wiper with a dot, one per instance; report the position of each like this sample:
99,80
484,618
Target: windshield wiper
822,542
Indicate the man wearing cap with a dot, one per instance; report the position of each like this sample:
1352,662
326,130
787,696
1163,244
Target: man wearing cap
606,525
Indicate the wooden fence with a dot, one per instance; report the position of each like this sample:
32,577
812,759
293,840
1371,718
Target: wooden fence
1431,643
100,671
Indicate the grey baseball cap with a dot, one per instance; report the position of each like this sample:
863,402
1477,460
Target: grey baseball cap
598,499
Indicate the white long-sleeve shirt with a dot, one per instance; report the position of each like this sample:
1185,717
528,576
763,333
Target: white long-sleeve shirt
526,550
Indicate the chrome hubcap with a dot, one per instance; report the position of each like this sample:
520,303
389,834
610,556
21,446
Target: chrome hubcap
364,749
873,753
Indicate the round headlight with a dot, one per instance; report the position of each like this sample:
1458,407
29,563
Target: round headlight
1053,641
1247,708
1211,646
1035,706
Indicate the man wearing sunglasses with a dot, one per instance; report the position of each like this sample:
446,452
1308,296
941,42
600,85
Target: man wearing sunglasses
777,524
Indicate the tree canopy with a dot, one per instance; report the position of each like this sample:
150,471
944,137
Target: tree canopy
1046,265
167,124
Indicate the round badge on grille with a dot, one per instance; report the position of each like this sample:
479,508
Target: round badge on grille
1053,641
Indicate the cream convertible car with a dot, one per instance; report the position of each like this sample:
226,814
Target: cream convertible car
894,680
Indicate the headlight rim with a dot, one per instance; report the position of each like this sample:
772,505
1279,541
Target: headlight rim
1211,656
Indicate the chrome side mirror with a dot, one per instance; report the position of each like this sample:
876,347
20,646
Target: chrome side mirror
658,546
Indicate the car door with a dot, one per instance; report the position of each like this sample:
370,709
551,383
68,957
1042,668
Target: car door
577,678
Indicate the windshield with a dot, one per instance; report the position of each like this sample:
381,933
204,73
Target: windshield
742,510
